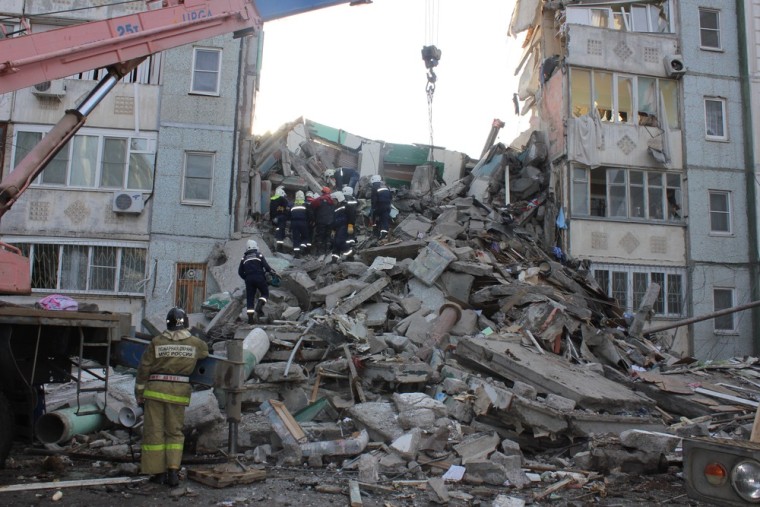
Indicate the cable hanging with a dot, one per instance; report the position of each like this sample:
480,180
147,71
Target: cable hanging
431,55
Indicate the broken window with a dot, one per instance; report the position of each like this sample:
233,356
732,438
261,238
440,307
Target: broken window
723,299
628,284
86,268
650,97
626,193
93,160
191,286
709,29
627,16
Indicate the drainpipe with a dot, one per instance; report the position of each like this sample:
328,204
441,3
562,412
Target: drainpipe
448,316
61,426
749,170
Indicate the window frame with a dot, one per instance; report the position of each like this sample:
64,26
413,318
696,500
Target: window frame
723,117
217,91
728,212
703,29
723,318
67,155
611,275
120,270
669,212
198,202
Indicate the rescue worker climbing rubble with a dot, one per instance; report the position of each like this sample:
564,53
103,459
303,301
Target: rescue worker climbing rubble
253,268
381,206
162,388
279,212
352,211
299,225
340,226
324,210
343,177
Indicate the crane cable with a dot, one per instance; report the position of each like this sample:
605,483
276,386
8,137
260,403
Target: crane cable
431,55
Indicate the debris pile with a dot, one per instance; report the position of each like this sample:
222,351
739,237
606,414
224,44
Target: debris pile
464,350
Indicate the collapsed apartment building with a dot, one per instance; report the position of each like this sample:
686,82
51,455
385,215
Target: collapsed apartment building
467,349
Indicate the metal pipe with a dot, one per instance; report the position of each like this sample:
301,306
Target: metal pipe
233,405
342,447
61,426
448,316
707,316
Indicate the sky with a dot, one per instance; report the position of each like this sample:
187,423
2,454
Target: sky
360,69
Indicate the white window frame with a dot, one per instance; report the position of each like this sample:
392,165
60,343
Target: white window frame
728,212
724,124
666,291
199,202
216,91
719,47
30,243
717,320
147,149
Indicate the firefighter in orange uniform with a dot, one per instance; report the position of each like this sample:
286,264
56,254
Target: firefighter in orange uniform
163,388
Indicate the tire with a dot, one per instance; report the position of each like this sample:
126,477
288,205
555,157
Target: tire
6,429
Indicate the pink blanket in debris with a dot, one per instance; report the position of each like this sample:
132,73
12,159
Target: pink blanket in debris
58,302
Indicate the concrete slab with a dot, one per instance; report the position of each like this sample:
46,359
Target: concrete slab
432,262
379,419
377,314
338,289
457,286
432,298
400,250
552,374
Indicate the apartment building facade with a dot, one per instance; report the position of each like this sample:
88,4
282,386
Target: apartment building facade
641,105
128,213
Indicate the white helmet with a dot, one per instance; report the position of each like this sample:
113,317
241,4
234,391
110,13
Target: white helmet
375,178
329,173
348,191
300,196
311,194
280,191
338,196
252,245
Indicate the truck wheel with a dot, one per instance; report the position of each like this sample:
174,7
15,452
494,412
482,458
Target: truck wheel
6,429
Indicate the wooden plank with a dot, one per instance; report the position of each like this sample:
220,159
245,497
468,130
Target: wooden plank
355,380
71,484
734,399
287,419
355,494
224,479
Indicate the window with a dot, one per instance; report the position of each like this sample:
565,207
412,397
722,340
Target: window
191,286
720,212
207,64
709,29
86,268
722,300
628,285
631,17
94,158
199,172
626,193
617,96
715,119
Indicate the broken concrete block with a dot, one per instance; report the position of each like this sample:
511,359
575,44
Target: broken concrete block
392,463
457,286
419,327
524,390
488,396
485,471
432,262
403,250
511,448
507,501
377,314
471,268
397,371
362,296
369,466
275,372
414,226
437,491
649,441
337,290
410,304
477,447
451,230
396,342
513,468
291,313
379,418
627,461
408,444
432,297
459,409
560,402
467,324
353,269
261,453
411,401
453,386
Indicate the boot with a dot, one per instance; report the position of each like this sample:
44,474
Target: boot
251,319
259,307
158,478
172,477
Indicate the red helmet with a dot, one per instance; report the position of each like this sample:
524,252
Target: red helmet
326,190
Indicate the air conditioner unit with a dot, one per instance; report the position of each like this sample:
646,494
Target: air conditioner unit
128,202
54,88
674,66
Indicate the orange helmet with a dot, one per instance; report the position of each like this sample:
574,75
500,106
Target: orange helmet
326,190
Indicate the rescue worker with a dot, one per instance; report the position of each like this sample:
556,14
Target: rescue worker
381,206
299,224
162,388
340,226
310,196
344,177
352,211
279,211
253,268
324,208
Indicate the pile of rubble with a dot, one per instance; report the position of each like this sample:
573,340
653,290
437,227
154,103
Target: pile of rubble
466,349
